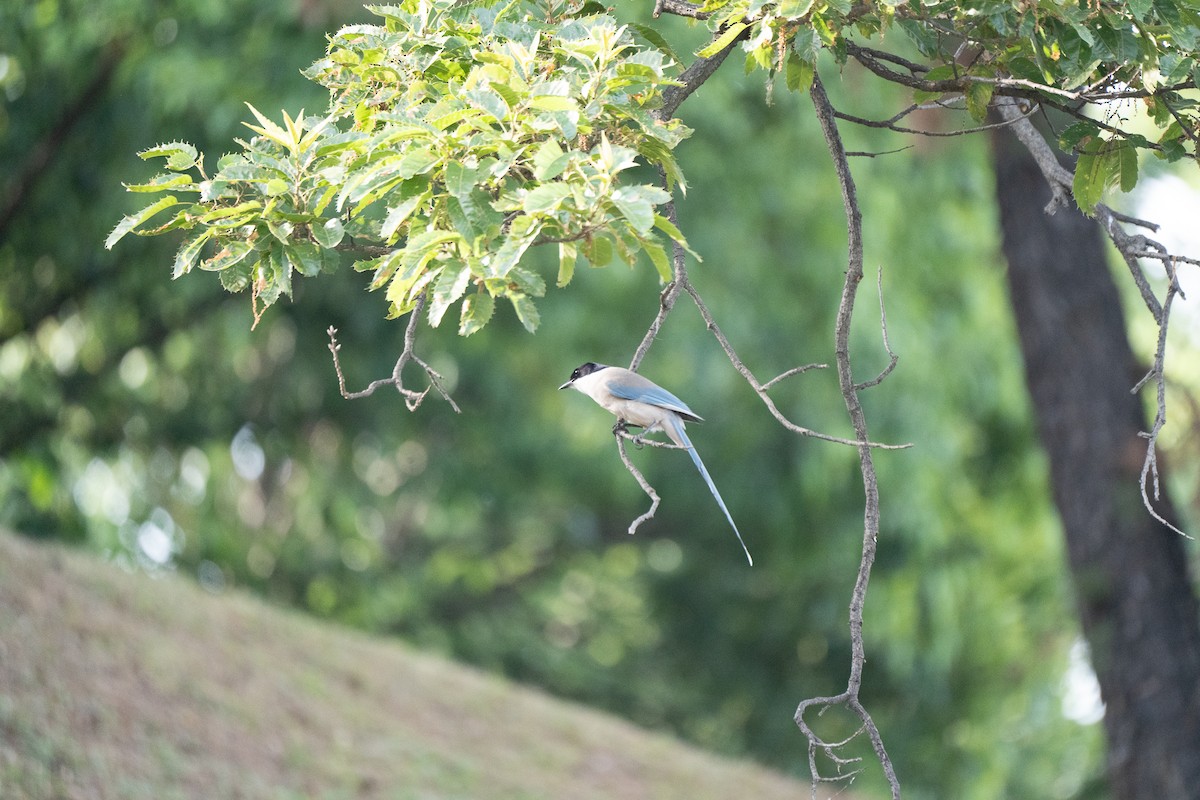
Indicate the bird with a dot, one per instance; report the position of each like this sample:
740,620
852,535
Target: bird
642,403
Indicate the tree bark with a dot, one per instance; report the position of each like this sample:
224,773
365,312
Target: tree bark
1135,598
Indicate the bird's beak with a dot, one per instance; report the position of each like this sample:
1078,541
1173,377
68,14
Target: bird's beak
565,385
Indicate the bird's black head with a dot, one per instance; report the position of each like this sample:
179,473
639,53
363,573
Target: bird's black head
583,369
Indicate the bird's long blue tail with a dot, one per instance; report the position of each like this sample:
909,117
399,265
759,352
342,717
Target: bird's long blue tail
712,487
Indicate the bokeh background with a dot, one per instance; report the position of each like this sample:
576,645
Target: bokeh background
141,418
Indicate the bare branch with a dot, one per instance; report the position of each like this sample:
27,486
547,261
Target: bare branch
679,8
1150,464
890,124
854,274
646,487
412,399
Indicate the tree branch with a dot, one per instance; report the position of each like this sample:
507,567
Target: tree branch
1132,248
412,398
854,274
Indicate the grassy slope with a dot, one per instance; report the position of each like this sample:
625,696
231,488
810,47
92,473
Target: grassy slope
115,685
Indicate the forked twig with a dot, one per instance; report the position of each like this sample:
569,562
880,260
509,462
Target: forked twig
412,398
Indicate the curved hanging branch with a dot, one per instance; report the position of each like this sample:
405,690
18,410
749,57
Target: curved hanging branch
854,275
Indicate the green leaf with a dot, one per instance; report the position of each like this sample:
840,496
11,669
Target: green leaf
658,257
798,73
237,278
398,214
598,250
450,286
232,253
330,233
180,156
567,253
131,221
304,257
549,161
276,187
168,180
793,9
727,37
636,204
526,311
546,198
979,97
656,40
552,102
477,309
666,226
189,253
269,130
1127,166
1075,133
417,162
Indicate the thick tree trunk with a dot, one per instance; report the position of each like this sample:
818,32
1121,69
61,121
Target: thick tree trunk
1136,602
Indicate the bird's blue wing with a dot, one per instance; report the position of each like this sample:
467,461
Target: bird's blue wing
652,394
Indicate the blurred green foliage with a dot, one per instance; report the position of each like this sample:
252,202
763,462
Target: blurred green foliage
143,418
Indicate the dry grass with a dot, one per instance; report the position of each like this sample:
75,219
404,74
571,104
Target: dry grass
116,685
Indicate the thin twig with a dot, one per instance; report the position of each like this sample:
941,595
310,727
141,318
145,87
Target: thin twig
646,487
893,359
1150,464
412,398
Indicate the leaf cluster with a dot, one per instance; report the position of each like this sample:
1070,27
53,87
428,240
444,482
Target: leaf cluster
457,137
1088,59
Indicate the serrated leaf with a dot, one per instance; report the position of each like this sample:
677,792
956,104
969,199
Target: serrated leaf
666,226
528,282
399,213
189,253
1076,133
450,286
269,130
656,40
526,310
180,156
567,253
232,253
636,204
159,183
798,73
235,212
131,221
477,309
304,257
330,233
237,278
727,37
658,257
